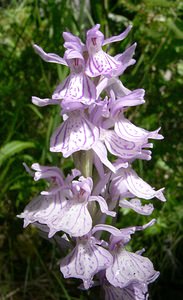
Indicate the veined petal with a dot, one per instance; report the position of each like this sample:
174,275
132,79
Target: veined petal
103,205
137,206
139,187
47,172
73,219
135,291
76,87
75,134
85,261
101,63
119,146
119,37
49,57
134,98
128,131
44,102
42,208
130,268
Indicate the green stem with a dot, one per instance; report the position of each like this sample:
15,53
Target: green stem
83,161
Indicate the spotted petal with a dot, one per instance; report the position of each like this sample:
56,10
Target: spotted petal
85,261
73,219
101,63
75,134
130,268
77,87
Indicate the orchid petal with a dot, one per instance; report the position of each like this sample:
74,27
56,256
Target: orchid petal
113,230
127,55
137,206
75,134
119,37
118,188
101,152
98,165
47,172
103,83
101,63
73,42
119,146
44,102
136,97
77,87
119,90
135,291
129,268
73,219
85,261
42,208
126,130
139,187
126,59
49,57
126,233
103,205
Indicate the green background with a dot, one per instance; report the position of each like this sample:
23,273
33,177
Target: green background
29,265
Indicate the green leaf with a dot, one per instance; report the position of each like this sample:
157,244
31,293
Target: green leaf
12,148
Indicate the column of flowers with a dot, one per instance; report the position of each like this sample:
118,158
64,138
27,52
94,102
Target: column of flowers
73,210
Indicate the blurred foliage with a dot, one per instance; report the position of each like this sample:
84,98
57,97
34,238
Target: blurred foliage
29,265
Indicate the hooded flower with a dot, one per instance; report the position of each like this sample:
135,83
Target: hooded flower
126,183
46,205
77,86
75,218
76,133
66,210
128,267
99,62
88,257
